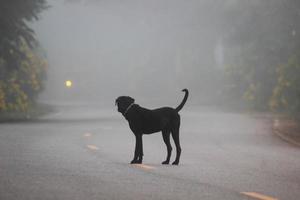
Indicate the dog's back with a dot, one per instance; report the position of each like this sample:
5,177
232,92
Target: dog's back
157,119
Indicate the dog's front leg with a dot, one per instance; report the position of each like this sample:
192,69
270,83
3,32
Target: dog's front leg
138,152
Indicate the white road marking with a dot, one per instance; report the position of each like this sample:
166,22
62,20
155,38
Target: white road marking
93,147
258,196
87,135
143,166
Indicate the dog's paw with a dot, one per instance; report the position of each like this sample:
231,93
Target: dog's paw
133,162
175,162
165,162
136,162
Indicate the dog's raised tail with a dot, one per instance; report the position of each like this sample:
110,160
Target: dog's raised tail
183,101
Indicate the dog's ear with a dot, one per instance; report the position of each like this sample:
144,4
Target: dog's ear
117,101
131,100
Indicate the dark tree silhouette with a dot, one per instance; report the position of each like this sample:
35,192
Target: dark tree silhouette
14,18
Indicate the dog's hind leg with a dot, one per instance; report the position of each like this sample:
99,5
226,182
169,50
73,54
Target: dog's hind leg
175,135
166,137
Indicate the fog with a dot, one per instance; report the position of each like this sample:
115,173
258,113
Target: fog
150,50
145,49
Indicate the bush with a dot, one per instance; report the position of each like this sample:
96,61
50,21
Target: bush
20,87
286,94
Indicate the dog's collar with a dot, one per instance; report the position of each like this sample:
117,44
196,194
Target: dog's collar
127,109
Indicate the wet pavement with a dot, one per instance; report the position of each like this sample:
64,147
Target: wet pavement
83,153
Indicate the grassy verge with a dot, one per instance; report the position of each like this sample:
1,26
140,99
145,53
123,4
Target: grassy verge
34,113
288,129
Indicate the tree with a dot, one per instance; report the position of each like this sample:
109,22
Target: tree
21,68
286,94
263,36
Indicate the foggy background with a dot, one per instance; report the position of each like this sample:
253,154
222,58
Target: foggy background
145,49
224,51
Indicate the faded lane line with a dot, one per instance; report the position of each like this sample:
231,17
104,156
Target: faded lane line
143,166
93,147
87,135
258,196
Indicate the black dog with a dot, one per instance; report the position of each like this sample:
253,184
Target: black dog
144,121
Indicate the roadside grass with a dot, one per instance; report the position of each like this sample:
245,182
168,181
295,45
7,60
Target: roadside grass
288,128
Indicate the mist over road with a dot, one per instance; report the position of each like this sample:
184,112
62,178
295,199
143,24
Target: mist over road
83,153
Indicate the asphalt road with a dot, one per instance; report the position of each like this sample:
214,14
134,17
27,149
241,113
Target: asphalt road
82,153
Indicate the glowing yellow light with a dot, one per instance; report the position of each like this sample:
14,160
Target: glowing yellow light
68,83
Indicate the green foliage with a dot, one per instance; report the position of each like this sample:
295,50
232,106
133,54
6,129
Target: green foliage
262,38
286,94
19,88
22,70
14,18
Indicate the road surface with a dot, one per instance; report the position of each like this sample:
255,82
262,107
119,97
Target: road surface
82,153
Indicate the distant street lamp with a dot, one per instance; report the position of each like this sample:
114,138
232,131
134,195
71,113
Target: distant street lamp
68,83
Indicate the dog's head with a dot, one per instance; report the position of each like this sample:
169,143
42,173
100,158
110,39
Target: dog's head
123,102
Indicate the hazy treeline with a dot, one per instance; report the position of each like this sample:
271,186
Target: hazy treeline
263,64
227,52
22,69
